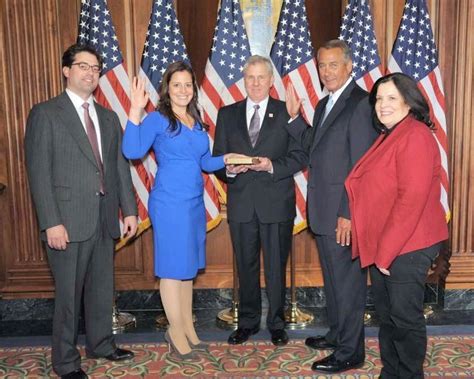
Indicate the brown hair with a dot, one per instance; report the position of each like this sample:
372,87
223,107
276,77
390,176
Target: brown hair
164,104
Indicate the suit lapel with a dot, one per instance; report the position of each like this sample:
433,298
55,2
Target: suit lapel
379,148
105,132
72,122
267,122
367,156
335,111
241,122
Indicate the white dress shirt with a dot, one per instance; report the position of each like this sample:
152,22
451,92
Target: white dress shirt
261,111
335,95
77,101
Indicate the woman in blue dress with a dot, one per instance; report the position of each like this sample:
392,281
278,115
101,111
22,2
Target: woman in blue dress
179,139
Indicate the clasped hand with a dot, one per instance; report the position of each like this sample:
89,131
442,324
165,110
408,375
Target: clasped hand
265,164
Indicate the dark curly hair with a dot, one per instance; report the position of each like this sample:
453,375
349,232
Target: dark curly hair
164,104
410,92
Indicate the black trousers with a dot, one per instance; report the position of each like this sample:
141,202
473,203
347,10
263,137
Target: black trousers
83,270
398,300
345,288
275,241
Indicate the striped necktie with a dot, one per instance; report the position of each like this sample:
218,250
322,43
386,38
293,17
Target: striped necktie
254,127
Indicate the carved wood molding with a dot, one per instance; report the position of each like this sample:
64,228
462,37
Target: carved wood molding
462,147
462,271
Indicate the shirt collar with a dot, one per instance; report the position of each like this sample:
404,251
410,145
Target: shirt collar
335,95
78,101
262,104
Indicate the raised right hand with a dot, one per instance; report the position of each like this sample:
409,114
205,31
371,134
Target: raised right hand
138,96
57,237
293,104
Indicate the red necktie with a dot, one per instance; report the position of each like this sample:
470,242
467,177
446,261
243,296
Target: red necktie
92,135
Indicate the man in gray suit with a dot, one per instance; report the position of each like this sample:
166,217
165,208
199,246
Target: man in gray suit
79,180
341,133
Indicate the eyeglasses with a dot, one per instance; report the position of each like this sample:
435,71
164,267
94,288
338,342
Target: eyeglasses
84,66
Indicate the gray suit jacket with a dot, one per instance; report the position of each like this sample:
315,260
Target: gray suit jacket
334,147
63,174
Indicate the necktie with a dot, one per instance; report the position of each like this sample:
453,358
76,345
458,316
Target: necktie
92,135
329,106
254,127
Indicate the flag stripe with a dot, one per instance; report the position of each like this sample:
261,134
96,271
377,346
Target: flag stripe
414,53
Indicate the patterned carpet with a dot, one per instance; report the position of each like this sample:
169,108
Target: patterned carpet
448,356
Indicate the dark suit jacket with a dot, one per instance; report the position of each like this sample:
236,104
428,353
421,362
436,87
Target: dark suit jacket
63,174
333,148
271,196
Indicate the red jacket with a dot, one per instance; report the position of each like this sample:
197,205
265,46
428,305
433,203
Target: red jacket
394,196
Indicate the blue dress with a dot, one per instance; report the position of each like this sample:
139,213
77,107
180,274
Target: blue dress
176,203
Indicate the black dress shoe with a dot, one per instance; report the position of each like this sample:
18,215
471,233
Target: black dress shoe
117,355
76,374
120,355
241,335
331,364
319,342
279,337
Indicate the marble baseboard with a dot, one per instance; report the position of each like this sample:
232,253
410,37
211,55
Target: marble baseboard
459,299
306,297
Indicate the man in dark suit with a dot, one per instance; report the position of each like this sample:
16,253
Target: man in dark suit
79,180
342,131
261,197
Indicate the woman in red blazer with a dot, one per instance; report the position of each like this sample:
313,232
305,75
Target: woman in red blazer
398,222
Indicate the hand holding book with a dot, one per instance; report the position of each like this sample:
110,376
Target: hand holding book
239,159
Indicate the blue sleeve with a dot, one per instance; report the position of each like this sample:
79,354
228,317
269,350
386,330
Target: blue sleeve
210,163
138,139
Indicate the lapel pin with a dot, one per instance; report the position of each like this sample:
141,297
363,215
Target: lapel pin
270,115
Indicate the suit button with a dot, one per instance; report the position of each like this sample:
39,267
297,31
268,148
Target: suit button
97,172
97,193
310,165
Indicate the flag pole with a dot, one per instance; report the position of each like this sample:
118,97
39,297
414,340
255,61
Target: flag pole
296,318
229,317
122,320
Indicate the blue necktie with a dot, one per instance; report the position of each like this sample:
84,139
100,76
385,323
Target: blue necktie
329,106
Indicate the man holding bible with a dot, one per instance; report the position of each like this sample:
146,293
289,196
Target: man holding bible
261,197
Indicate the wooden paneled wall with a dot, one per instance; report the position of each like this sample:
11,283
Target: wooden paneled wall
33,35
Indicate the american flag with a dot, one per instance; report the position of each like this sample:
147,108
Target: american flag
223,82
292,55
357,30
414,53
96,29
164,45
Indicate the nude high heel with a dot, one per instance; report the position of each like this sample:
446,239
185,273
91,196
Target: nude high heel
201,345
171,346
